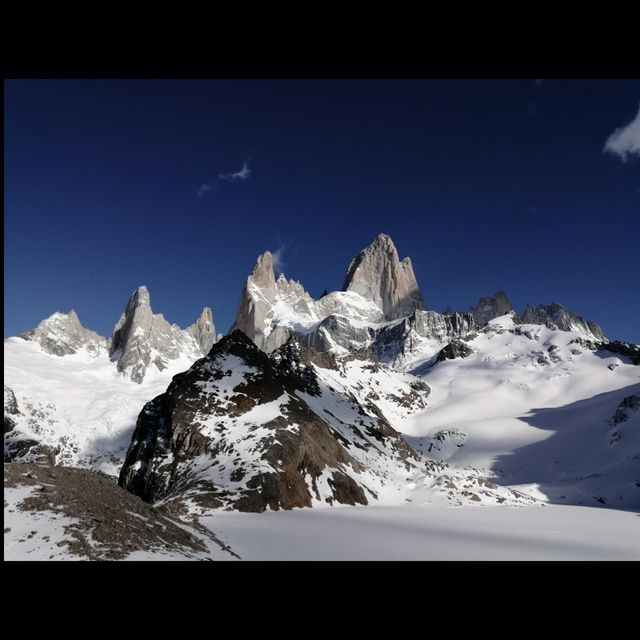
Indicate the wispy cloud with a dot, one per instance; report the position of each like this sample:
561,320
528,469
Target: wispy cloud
233,176
625,140
284,245
243,174
205,188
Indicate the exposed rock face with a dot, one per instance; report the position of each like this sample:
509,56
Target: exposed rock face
204,331
625,410
142,339
625,421
263,302
79,514
62,334
258,295
338,331
490,308
631,351
377,274
10,409
247,430
22,437
378,288
420,335
455,349
563,318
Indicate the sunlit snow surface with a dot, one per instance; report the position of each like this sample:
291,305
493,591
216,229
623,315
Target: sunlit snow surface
546,424
547,532
89,408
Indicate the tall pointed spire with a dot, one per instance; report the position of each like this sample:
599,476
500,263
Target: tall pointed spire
377,274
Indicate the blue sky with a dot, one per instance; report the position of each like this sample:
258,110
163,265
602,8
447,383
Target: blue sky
179,185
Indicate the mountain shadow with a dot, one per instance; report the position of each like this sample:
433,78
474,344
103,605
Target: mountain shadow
591,456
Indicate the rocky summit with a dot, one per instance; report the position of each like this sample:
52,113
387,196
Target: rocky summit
491,307
564,319
204,331
62,334
378,275
271,310
379,289
142,339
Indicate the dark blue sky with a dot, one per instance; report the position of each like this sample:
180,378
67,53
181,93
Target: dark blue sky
487,185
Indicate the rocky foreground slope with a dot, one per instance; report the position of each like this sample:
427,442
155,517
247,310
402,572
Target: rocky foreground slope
60,513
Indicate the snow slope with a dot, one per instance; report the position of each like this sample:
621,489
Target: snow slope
79,402
547,532
534,405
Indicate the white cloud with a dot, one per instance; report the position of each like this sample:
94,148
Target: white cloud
205,188
243,174
625,140
234,176
278,254
278,262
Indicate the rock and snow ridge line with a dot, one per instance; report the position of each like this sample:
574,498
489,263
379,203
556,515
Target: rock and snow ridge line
74,405
250,431
380,307
140,339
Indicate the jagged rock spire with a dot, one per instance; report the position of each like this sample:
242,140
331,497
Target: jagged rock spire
262,274
258,302
136,319
204,331
378,274
141,338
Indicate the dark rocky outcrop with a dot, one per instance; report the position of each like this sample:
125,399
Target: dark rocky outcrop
455,349
248,430
10,409
19,445
625,408
400,340
631,351
100,520
491,307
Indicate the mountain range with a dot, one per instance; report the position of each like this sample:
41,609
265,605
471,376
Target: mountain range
364,396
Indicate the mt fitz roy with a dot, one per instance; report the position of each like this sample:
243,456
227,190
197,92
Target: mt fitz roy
364,396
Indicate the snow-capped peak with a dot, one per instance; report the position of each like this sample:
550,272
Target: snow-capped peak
142,339
62,334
